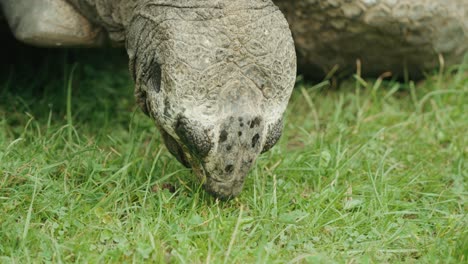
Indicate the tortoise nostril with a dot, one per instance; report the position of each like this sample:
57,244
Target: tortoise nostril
255,140
223,136
255,122
229,168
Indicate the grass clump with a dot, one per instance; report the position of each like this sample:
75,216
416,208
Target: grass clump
371,172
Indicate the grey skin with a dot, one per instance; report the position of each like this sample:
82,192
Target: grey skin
215,75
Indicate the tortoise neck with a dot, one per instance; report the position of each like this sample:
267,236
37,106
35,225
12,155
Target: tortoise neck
112,15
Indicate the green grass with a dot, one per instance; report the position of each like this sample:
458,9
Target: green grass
371,172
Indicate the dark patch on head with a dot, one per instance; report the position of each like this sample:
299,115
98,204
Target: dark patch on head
239,133
223,136
273,135
192,134
229,168
255,122
228,148
255,140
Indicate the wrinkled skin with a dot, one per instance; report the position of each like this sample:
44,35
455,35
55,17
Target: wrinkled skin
215,76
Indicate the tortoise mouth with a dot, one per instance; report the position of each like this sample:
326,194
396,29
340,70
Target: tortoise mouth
224,189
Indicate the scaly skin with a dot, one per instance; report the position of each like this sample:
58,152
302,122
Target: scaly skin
215,75
387,35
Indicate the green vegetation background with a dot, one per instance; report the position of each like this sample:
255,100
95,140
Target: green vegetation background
374,171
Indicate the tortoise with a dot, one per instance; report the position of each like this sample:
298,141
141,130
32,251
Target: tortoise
216,75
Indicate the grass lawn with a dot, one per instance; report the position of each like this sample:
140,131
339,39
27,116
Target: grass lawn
370,172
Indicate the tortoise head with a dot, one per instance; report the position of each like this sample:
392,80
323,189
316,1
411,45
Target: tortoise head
216,77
